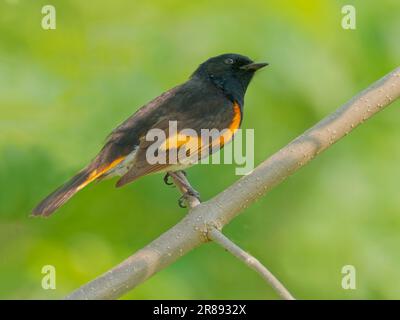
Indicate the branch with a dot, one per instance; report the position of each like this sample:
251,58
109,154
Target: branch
218,237
193,229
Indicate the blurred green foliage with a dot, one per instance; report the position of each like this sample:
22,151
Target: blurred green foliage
62,91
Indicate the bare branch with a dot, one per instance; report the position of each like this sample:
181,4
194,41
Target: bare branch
192,230
218,237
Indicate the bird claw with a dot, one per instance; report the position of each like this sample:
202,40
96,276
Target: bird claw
182,201
166,179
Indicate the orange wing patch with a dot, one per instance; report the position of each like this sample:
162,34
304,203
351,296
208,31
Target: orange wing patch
178,140
98,172
194,146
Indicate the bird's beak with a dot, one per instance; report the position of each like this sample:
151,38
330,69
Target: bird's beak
254,66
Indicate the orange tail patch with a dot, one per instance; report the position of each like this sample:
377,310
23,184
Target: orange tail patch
98,172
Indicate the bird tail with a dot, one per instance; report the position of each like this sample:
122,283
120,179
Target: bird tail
56,199
60,196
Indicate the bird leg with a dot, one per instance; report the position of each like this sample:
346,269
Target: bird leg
190,195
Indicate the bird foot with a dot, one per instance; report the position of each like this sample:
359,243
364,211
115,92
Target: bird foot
182,201
181,181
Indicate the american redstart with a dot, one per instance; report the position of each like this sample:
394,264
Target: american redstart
212,98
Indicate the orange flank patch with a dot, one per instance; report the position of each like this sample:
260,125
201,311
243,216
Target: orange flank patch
227,134
98,172
235,124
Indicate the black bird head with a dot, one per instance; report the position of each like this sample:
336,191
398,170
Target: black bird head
230,72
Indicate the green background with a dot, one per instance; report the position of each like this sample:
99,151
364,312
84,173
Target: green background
62,91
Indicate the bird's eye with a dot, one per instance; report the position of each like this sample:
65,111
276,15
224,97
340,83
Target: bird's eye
229,61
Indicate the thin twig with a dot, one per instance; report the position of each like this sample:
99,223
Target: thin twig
192,230
218,237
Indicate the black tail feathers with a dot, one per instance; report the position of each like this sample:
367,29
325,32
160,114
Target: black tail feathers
56,199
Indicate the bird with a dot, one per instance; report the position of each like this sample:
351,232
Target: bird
212,98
